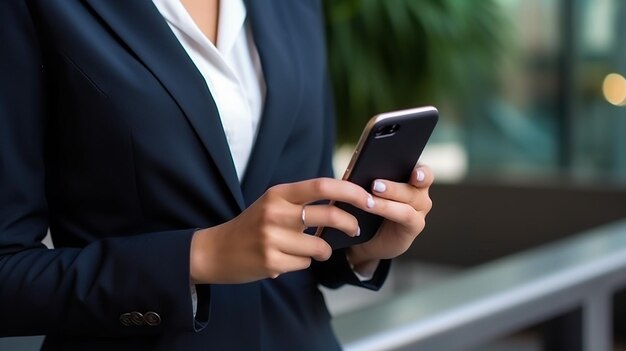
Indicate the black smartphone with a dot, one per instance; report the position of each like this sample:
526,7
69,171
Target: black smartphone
389,148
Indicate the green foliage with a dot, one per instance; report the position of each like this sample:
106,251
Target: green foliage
391,54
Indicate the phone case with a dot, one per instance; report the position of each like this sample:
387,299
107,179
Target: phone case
392,157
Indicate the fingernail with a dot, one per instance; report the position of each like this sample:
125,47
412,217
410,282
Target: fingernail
370,201
379,186
358,231
421,175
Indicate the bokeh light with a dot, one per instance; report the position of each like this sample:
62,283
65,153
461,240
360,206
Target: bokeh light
614,89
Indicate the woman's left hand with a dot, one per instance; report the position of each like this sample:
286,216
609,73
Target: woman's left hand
404,207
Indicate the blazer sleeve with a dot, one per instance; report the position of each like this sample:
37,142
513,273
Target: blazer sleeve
337,271
70,290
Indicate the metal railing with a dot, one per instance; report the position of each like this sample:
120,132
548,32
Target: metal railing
493,300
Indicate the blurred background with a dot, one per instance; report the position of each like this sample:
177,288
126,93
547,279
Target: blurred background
529,89
530,149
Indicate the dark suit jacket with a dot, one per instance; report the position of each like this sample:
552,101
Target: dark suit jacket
110,138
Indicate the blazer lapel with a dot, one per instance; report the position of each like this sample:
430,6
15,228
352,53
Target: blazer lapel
275,44
143,30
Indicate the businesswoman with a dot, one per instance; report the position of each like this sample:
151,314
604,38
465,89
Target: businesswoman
176,150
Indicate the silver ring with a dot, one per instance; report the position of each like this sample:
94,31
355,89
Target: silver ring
303,217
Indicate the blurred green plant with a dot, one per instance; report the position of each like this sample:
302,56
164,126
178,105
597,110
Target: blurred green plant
391,54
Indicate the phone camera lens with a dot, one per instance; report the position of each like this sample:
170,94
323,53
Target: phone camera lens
380,131
388,130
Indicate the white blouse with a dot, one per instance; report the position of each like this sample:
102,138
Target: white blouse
231,69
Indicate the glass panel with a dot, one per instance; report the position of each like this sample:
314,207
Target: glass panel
599,126
514,126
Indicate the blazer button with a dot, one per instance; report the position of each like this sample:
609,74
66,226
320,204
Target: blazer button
126,320
137,318
152,319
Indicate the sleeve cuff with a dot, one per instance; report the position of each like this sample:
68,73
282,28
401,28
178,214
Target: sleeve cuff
202,312
337,272
363,277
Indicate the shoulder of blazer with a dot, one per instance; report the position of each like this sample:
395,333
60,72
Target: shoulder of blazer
142,28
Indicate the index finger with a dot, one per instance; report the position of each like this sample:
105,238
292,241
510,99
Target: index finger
326,189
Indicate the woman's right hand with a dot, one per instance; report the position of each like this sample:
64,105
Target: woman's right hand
267,239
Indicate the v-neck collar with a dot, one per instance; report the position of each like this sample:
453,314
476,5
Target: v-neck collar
232,16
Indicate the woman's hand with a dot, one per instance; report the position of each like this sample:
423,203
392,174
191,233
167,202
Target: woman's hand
267,239
404,206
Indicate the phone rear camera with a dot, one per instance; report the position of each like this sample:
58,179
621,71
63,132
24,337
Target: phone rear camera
388,130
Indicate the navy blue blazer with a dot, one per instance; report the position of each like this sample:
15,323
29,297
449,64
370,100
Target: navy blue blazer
110,138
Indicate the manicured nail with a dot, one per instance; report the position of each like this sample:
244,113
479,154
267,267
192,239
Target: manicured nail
379,186
421,175
358,231
370,201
